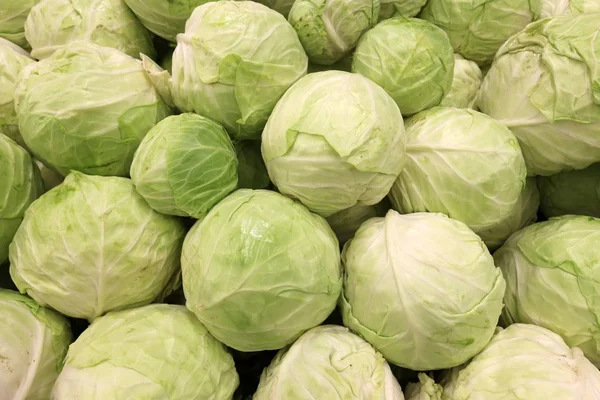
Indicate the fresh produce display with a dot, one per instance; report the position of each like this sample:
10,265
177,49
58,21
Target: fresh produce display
299,200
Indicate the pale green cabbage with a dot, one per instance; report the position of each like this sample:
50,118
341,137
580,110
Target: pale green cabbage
552,279
524,362
334,140
410,58
328,362
165,18
400,8
52,24
154,352
571,192
260,270
91,245
465,85
524,213
461,163
234,62
33,344
422,289
425,389
87,108
476,28
13,14
20,185
12,60
330,29
185,165
545,86
553,8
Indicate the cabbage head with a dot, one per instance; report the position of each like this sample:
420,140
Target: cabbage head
20,184
330,29
461,163
465,85
185,165
328,362
33,344
153,352
477,29
545,86
165,18
410,58
425,389
13,14
92,245
554,8
334,140
87,108
234,62
552,278
260,270
400,8
524,362
12,60
427,315
571,192
52,24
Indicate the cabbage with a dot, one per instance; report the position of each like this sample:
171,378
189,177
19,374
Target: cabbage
553,8
465,85
425,389
13,14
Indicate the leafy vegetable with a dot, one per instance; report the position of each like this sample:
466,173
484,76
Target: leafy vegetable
465,85
13,14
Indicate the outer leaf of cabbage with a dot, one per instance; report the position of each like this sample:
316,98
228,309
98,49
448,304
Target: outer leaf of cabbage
55,23
400,8
91,245
427,315
234,62
425,389
329,362
465,85
153,352
20,185
330,29
410,58
86,108
553,8
34,342
549,79
13,14
461,163
477,29
572,192
260,270
525,362
165,18
552,274
12,60
334,140
185,165
524,213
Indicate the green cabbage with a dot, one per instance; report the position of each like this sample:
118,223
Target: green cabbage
465,85
13,14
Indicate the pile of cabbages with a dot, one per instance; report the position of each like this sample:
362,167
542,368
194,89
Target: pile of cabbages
300,200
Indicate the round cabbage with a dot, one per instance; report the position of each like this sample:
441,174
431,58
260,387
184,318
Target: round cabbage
260,270
12,60
154,352
425,389
465,85
334,140
410,58
545,86
572,192
461,163
20,184
524,362
477,29
552,279
13,14
406,293
86,108
330,29
33,344
91,245
400,8
52,24
328,362
165,18
234,62
185,165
